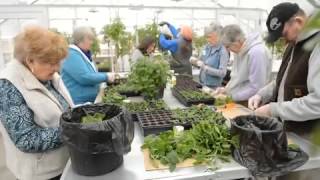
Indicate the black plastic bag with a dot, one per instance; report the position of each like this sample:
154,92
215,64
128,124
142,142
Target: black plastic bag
97,148
263,146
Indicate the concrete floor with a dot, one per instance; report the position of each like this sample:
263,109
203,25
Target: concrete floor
5,174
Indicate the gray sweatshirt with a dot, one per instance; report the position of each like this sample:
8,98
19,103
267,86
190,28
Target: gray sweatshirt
303,108
136,55
251,69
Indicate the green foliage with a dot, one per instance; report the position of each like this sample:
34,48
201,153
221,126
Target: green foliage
206,142
222,101
111,96
96,118
114,31
195,95
125,44
145,106
125,87
106,65
95,47
314,21
122,39
197,113
150,30
293,147
149,75
199,42
66,36
277,47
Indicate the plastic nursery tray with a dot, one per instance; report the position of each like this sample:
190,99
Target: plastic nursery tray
154,122
187,82
134,114
187,102
130,93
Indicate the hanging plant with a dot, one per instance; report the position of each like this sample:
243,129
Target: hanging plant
117,34
95,47
199,42
149,30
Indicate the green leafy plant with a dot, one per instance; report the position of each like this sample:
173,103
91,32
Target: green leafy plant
104,66
197,113
206,142
150,30
111,96
125,87
278,47
195,95
96,118
122,40
95,47
116,33
145,106
149,76
66,36
199,42
222,101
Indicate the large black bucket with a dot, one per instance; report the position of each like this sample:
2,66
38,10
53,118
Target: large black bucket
97,148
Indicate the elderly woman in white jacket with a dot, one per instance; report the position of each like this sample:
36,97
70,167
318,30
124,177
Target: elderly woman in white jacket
33,97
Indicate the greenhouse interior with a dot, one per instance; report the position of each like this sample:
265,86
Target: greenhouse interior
164,90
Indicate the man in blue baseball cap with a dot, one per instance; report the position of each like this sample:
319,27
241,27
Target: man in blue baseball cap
294,96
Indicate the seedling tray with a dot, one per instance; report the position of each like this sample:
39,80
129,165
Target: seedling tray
189,102
133,116
130,93
154,122
151,106
187,82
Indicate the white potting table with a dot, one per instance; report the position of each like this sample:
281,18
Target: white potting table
133,165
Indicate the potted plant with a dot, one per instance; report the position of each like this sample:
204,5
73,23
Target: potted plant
149,76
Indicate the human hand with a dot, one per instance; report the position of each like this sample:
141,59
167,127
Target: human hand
254,102
263,111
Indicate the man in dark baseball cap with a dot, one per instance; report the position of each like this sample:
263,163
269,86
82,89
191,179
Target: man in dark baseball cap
278,17
294,96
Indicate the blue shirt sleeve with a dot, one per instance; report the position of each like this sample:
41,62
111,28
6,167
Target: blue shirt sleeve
78,70
173,30
17,119
171,45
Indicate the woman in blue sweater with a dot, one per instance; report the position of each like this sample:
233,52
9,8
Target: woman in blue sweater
214,59
79,72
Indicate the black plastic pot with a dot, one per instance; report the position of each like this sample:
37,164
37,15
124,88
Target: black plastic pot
159,94
89,164
130,93
97,148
